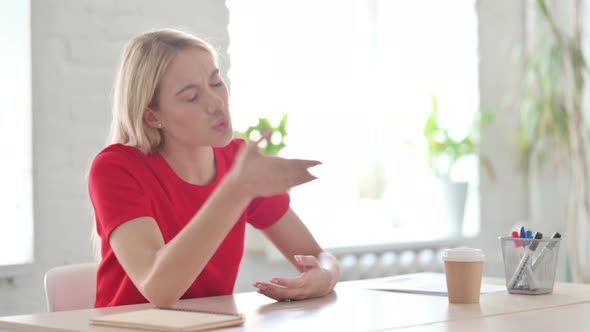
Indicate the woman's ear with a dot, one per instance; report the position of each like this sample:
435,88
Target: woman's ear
152,118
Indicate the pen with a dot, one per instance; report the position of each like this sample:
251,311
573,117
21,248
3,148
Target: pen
547,250
523,265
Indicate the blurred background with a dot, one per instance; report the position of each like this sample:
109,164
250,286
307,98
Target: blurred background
439,124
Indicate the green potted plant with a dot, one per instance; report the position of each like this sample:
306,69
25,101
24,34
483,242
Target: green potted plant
271,138
443,151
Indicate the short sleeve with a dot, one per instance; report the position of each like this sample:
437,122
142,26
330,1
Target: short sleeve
263,212
116,192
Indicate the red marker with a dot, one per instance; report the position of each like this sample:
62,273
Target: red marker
515,236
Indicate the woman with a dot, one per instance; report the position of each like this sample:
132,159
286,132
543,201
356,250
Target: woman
173,192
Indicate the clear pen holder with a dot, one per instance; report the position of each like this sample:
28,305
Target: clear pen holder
530,271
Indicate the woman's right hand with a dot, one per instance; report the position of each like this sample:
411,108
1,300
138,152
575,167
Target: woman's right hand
258,174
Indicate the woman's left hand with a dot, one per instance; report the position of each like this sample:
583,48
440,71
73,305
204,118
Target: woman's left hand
314,281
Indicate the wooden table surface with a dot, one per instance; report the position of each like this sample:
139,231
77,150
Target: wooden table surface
352,308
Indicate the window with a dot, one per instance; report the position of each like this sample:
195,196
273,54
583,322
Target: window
16,206
356,79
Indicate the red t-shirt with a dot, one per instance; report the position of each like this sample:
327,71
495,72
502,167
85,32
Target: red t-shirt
125,184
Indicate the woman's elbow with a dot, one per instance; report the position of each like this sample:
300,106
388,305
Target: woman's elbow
160,296
162,301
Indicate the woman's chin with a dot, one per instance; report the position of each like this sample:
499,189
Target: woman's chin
223,140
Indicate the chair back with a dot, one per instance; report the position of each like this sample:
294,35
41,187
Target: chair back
71,287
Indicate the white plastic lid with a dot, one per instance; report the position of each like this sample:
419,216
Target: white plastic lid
463,255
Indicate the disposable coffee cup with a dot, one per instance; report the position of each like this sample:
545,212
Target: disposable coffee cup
463,271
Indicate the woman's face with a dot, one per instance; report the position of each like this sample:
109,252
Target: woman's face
193,102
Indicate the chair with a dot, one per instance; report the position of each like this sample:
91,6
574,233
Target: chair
71,287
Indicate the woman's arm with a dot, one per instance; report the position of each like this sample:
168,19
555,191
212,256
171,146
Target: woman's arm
319,269
163,272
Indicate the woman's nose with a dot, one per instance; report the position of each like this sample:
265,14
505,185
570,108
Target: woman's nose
215,103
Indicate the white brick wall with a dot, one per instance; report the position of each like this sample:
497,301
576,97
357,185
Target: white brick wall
75,50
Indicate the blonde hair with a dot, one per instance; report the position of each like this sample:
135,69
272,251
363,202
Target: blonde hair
143,63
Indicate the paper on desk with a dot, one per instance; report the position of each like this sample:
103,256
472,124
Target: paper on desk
421,283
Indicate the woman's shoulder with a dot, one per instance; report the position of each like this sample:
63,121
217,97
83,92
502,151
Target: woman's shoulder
119,154
120,151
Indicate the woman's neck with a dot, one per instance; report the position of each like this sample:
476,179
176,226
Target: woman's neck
195,165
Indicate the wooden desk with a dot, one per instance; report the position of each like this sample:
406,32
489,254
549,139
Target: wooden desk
351,308
564,318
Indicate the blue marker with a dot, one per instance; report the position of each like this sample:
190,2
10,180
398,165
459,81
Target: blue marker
529,234
522,233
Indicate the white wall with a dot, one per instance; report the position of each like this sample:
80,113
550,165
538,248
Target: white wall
504,202
75,50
